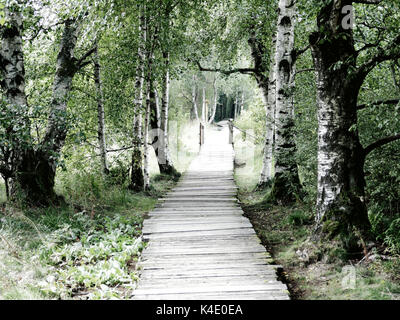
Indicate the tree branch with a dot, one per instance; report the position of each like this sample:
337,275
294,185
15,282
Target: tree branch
227,72
391,52
305,70
299,52
121,149
81,62
367,1
380,143
377,103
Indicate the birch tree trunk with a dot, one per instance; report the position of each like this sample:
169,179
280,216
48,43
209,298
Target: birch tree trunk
146,140
101,136
286,184
203,112
157,109
155,114
269,98
137,175
12,59
166,165
236,104
241,105
215,104
13,85
267,87
194,99
341,208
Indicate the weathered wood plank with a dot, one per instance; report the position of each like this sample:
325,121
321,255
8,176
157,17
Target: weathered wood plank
187,219
200,233
231,280
230,296
212,289
157,228
228,272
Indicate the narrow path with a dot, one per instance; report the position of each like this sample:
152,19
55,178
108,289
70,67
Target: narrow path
200,246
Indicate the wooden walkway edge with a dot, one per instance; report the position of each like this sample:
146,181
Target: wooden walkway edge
200,246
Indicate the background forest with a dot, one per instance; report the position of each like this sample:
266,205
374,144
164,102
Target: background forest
100,105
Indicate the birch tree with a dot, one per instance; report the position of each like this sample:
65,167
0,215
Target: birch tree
341,70
215,101
137,175
286,184
35,167
166,165
101,136
194,99
269,103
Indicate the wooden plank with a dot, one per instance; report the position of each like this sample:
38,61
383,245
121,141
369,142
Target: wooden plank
229,296
193,250
228,280
210,238
252,256
199,204
199,234
199,200
191,274
206,266
195,227
207,188
201,195
212,289
206,242
190,220
191,210
185,219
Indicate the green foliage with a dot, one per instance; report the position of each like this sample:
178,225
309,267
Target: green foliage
253,119
93,259
118,175
392,236
299,217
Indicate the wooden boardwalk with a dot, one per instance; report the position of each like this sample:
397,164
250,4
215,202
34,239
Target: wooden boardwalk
200,246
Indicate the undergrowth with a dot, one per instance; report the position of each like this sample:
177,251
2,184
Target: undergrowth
87,249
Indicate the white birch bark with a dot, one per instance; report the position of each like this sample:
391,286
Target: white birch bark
101,135
146,155
215,104
236,106
157,109
194,98
12,71
137,175
204,111
286,178
12,59
269,103
65,70
340,209
241,105
167,166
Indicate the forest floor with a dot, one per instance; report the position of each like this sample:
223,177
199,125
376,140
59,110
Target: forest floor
86,249
311,272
